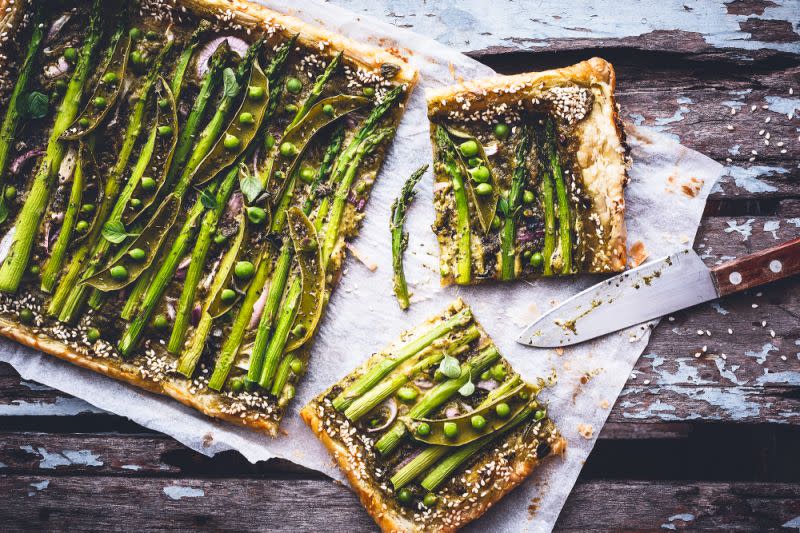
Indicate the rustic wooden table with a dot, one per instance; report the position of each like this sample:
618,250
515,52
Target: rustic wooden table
696,442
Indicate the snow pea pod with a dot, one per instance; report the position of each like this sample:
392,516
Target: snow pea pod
486,204
312,278
225,278
137,257
105,95
241,130
463,429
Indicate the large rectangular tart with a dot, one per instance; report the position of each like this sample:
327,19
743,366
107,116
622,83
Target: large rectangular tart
177,181
435,428
529,175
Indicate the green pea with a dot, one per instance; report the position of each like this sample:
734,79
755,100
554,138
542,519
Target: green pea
119,273
499,372
160,322
523,395
288,391
483,189
474,162
137,58
299,330
165,131
269,142
404,496
227,296
361,187
288,149
231,142
502,409
163,103
237,385
219,238
70,54
469,148
450,430
99,101
424,429
26,315
244,270
135,34
81,226
111,77
307,174
87,208
527,197
294,86
290,108
148,183
480,174
135,203
256,215
328,109
478,422
486,375
34,269
10,193
407,394
368,91
137,254
527,254
430,500
297,366
537,259
92,334
151,35
84,122
278,174
246,118
538,415
61,85
501,131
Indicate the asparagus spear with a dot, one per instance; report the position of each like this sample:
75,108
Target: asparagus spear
449,159
70,295
436,396
32,212
185,57
382,369
549,220
325,168
508,236
12,116
564,233
400,237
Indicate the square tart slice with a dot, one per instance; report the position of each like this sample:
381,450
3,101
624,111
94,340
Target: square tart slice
435,428
529,175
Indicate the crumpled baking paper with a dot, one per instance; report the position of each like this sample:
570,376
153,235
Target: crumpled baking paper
363,316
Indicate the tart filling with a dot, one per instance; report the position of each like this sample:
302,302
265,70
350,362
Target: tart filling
529,175
435,428
178,181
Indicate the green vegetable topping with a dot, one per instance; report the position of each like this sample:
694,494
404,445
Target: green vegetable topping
34,269
499,372
501,131
135,202
256,215
478,422
163,103
288,149
246,118
244,270
480,174
483,189
11,192
160,322
237,385
308,174
227,296
111,77
269,142
537,259
137,58
152,35
299,330
256,93
135,34
92,334
297,366
469,148
26,315
119,272
496,222
369,91
538,415
61,85
404,496
70,54
502,410
328,110
231,142
291,109
294,86
474,162
148,183
527,197
137,254
165,130
84,122
407,394
81,226
450,429
99,101
219,238
430,500
424,429
87,208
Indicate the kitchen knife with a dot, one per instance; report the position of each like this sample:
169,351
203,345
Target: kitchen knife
655,289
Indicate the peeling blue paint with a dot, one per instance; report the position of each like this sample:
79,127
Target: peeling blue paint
745,229
747,178
772,226
39,486
761,356
52,460
131,467
176,492
719,309
783,378
782,105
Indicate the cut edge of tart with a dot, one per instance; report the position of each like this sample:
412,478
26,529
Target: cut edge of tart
503,461
591,143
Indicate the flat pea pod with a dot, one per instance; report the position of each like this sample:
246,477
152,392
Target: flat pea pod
216,305
460,430
161,156
149,240
312,296
93,185
226,150
108,89
300,135
486,204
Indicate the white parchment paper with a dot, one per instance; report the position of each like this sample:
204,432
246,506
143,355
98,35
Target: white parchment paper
363,316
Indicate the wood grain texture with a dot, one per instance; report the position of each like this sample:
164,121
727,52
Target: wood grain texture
751,271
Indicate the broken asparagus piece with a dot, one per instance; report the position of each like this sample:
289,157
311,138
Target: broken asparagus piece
400,237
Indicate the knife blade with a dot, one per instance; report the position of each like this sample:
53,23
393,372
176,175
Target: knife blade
646,292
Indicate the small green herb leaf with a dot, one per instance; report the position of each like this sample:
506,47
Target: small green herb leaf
250,184
208,200
450,367
38,104
230,85
468,388
114,231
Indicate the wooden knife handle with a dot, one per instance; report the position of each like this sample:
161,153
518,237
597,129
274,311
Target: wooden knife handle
757,269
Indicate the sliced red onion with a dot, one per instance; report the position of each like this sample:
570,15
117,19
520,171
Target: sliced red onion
18,163
184,264
487,384
441,186
170,308
391,405
205,53
196,312
258,307
46,243
206,283
452,411
235,205
490,150
58,218
59,68
525,235
423,384
57,26
67,166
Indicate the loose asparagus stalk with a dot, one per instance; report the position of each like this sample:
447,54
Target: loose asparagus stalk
32,212
400,237
508,236
12,116
436,396
70,295
449,158
564,233
382,369
389,386
185,57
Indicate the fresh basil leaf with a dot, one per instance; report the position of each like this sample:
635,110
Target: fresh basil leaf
37,105
114,231
450,367
468,388
208,200
230,85
250,184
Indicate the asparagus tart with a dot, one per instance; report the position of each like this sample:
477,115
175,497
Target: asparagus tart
529,175
177,180
436,428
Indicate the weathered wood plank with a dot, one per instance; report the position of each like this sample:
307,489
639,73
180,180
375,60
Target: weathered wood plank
77,503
